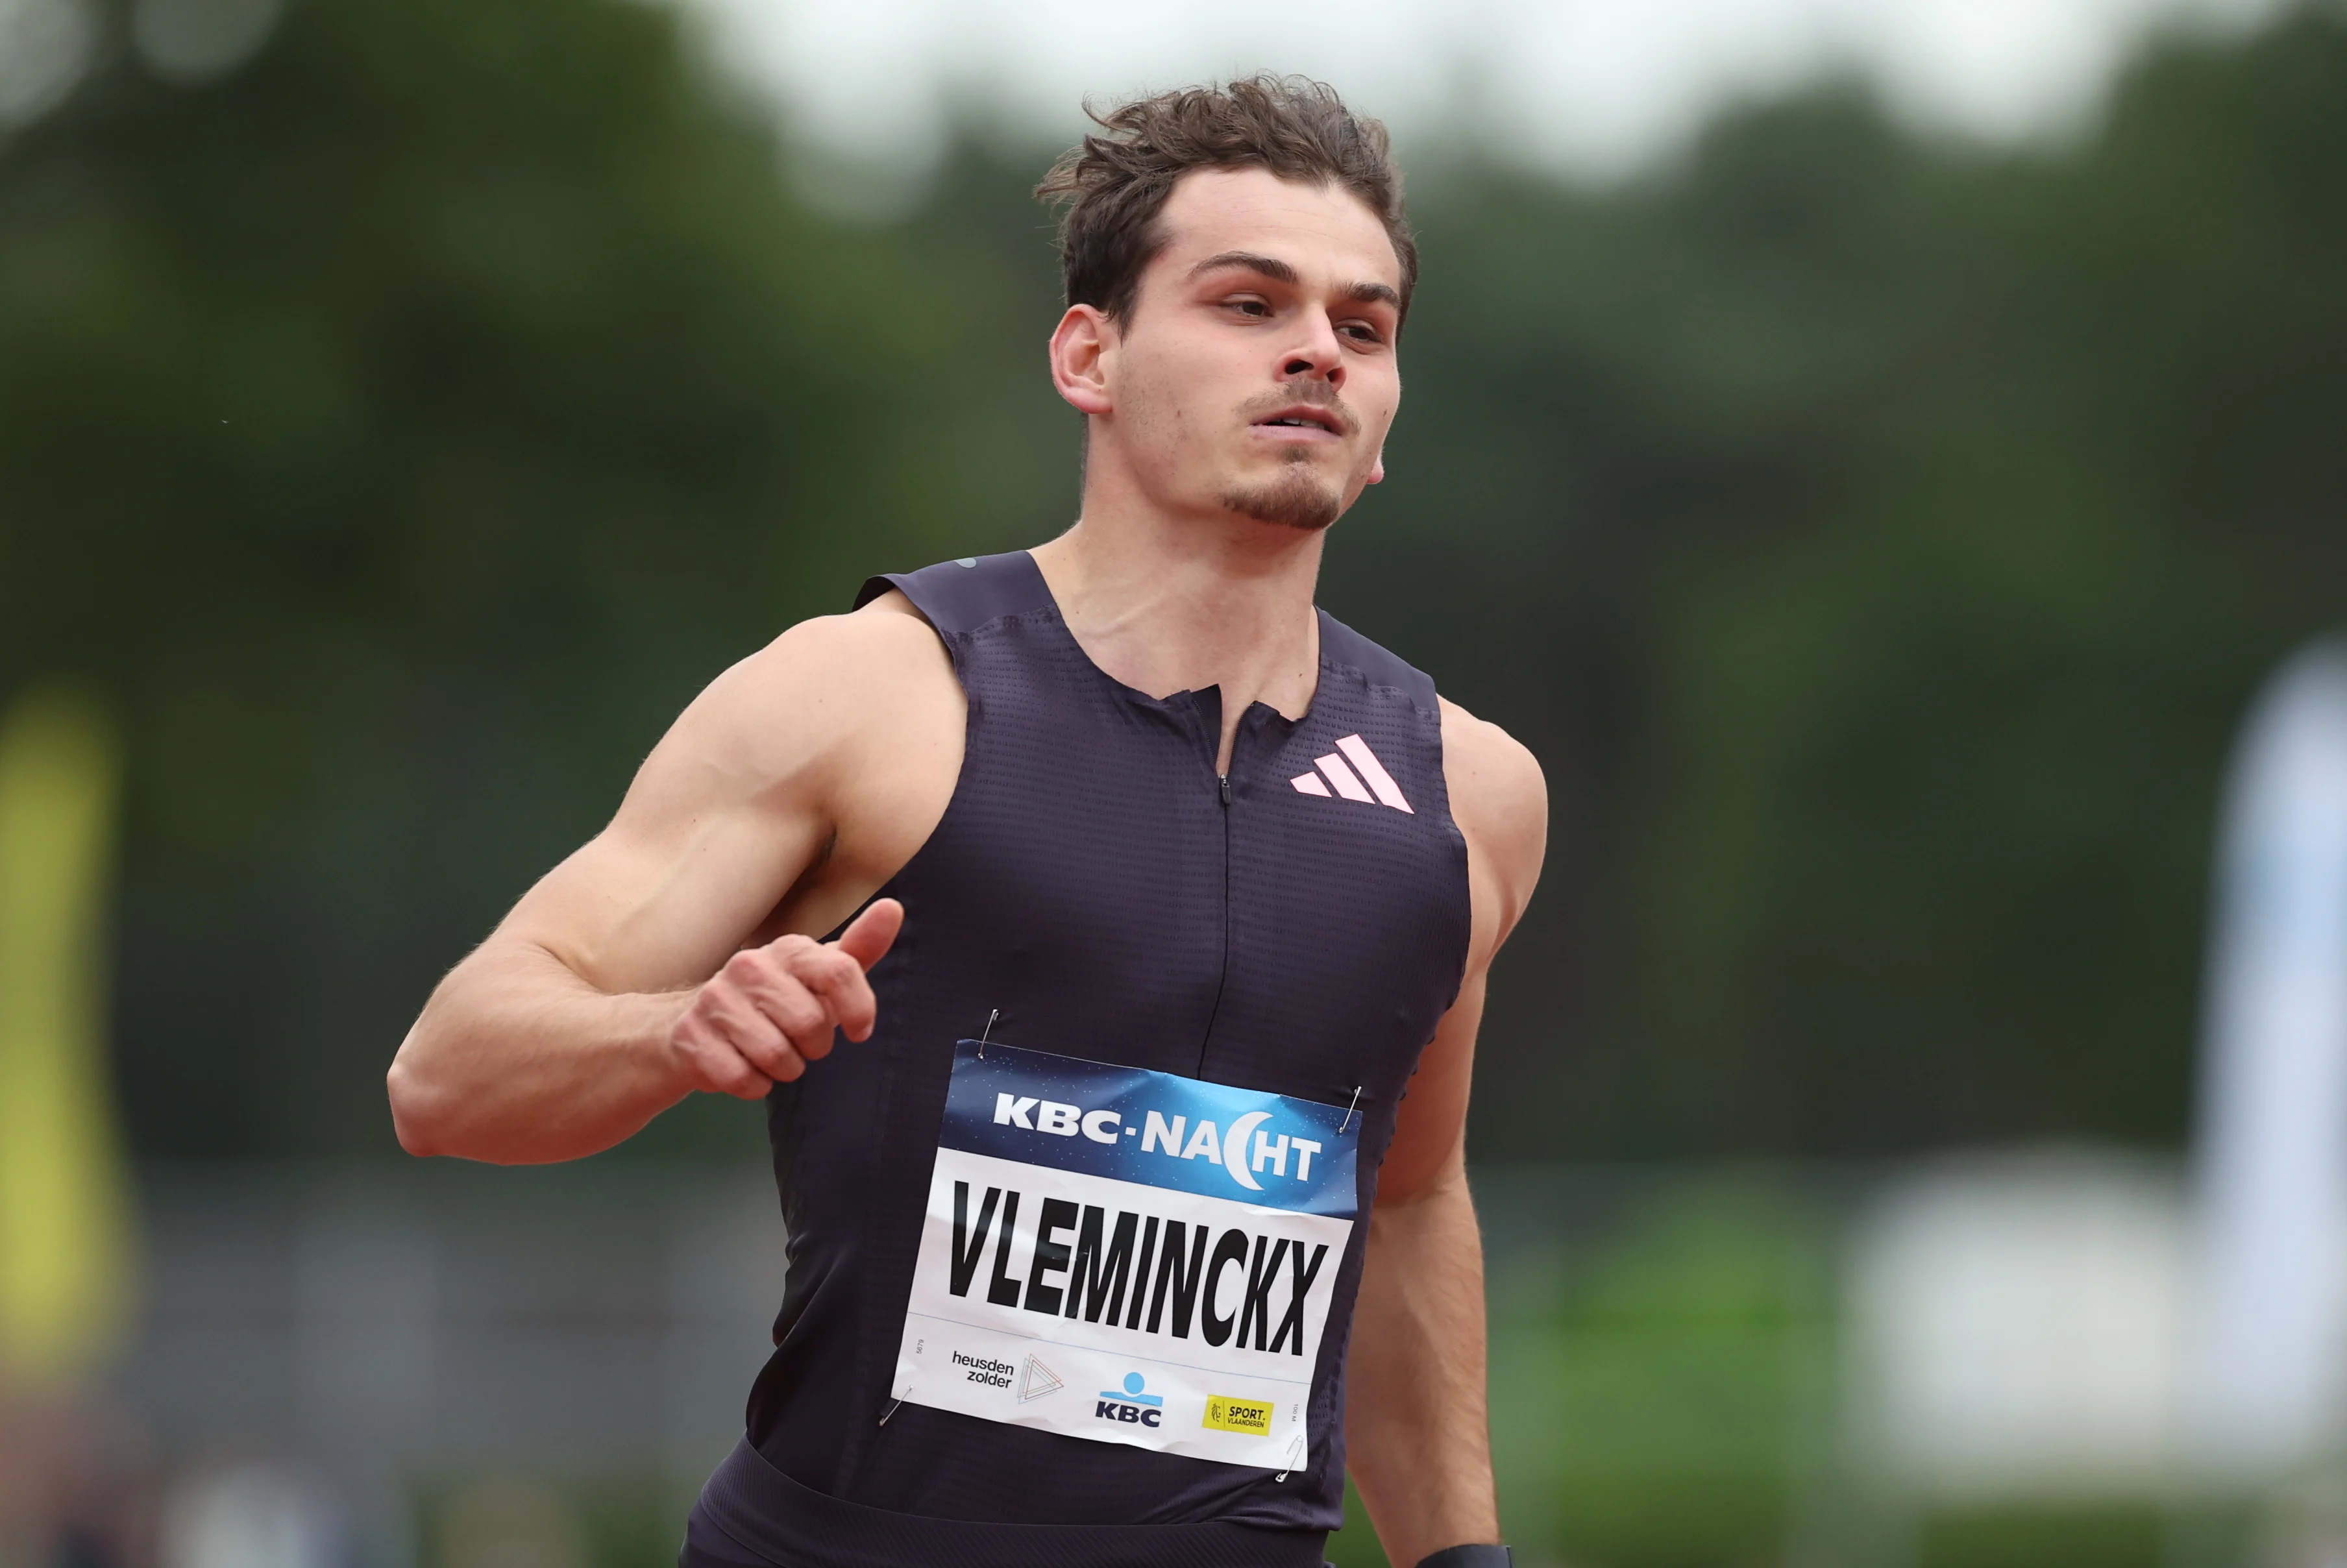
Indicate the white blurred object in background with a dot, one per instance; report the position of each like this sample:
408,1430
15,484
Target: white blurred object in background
2266,1370
2058,1327
2015,1327
249,1515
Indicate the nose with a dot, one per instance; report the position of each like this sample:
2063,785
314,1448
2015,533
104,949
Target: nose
1318,357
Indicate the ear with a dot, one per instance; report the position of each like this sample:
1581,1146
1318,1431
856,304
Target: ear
1079,346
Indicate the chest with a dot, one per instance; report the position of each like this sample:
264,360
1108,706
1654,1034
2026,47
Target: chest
1297,924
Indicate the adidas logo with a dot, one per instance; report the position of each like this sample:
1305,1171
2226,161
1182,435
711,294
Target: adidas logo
1378,789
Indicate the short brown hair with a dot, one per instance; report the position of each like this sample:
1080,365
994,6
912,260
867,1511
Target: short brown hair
1114,185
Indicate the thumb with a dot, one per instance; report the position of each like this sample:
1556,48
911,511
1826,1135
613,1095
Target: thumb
868,936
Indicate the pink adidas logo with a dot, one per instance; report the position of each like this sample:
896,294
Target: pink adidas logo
1378,789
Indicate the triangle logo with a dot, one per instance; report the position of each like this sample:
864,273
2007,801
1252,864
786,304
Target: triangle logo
1036,1380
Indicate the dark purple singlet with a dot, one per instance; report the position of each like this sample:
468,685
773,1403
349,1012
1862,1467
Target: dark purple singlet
1093,887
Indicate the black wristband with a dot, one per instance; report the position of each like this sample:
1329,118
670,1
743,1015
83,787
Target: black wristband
1469,1557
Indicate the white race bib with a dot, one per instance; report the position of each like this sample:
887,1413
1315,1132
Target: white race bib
1129,1256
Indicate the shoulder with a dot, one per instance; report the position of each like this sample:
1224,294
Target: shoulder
1499,798
883,643
815,694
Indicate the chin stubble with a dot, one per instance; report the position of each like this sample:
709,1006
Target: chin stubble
1295,499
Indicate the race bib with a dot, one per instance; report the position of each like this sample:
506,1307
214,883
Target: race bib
1129,1256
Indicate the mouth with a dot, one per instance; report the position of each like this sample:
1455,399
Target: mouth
1310,420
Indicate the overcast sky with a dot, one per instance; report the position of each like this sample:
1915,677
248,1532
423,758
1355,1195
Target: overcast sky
1594,87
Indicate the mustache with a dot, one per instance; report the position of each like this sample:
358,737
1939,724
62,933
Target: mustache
1320,393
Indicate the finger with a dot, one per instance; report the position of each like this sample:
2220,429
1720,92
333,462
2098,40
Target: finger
838,981
868,936
713,1063
736,1004
768,980
760,1040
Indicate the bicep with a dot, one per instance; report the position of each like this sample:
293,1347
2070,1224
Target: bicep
722,817
1501,805
1500,801
1429,1138
658,905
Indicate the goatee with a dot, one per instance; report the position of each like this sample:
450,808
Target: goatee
1295,499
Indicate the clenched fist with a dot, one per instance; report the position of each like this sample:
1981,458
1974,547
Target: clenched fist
772,1009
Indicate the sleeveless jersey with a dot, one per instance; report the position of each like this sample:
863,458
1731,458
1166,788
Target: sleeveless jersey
1095,891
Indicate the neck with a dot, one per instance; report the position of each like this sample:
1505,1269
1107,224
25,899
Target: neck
1168,604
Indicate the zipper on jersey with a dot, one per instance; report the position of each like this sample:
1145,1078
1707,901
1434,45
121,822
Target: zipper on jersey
1222,980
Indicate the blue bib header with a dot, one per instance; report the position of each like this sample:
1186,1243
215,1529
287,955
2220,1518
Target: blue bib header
1130,1124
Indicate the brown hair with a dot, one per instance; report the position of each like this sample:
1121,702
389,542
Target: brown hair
1114,185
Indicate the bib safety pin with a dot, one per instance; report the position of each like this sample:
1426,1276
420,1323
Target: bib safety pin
889,1411
992,1014
1348,1109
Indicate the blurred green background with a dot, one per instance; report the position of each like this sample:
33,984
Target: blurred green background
1876,537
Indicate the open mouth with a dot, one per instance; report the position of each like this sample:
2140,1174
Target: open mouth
1300,419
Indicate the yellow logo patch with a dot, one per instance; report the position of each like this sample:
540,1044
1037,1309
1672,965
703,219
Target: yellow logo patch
1252,1416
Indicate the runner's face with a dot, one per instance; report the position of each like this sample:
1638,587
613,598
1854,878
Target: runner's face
1257,373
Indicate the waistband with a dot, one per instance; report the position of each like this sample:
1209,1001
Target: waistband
751,1509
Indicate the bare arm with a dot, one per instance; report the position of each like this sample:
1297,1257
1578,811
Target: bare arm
640,969
1416,1423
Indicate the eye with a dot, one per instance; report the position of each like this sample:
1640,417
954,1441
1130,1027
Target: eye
1255,309
1362,332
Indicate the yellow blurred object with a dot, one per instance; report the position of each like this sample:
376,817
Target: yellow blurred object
64,1223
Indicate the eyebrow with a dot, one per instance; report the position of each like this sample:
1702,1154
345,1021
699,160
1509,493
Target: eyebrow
1279,271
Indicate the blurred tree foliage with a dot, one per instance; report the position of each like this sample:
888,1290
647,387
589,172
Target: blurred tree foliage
1877,541
403,428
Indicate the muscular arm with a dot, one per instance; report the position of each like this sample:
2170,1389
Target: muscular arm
672,953
1416,1425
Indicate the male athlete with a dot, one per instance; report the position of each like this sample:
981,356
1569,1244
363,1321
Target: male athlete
1156,890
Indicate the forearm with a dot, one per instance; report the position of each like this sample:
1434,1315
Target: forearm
1415,1425
516,1061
